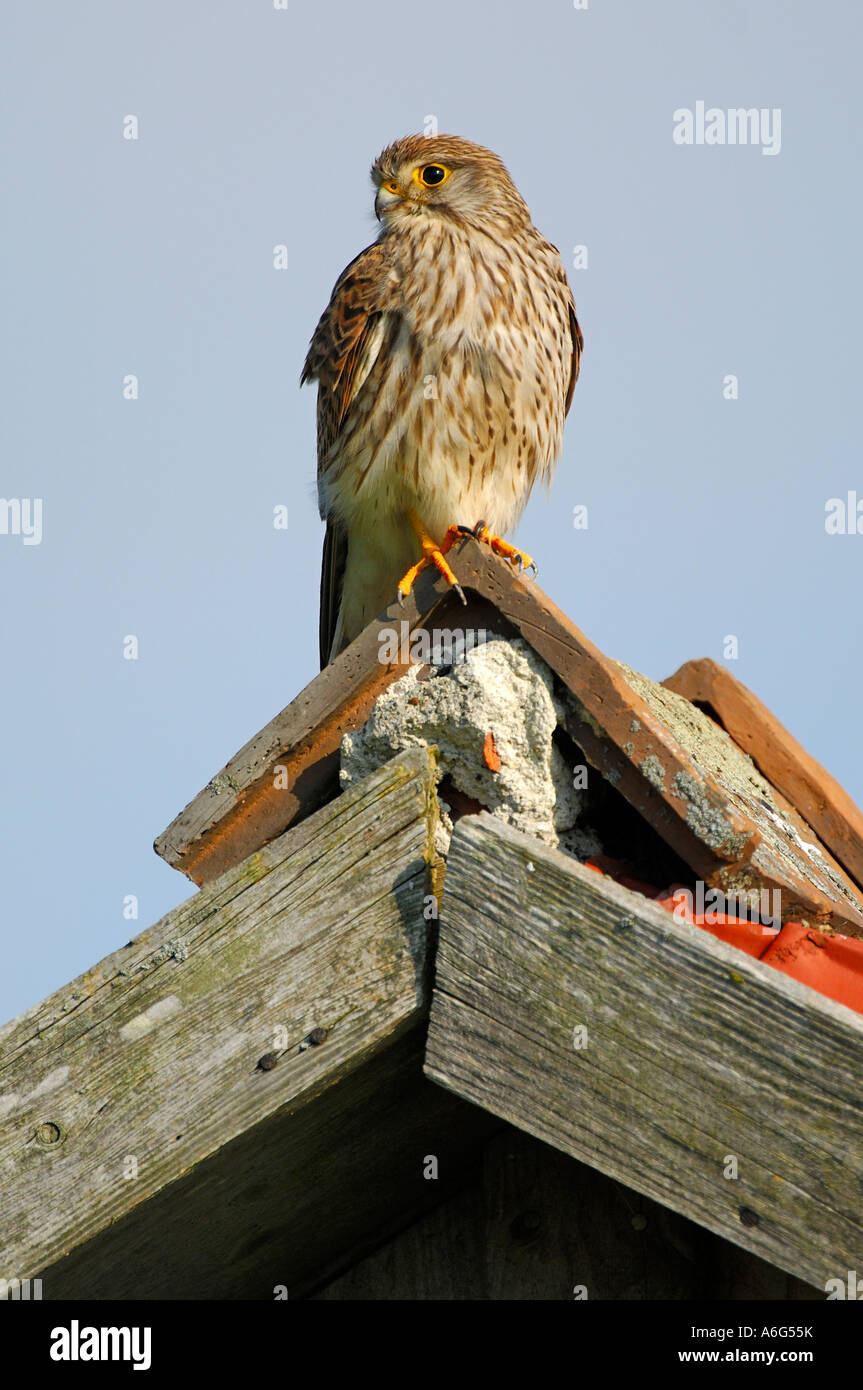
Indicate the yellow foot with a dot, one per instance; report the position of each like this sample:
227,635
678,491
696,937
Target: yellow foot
518,558
433,554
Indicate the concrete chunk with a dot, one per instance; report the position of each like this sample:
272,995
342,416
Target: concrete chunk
501,688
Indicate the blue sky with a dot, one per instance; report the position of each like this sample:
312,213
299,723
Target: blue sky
154,257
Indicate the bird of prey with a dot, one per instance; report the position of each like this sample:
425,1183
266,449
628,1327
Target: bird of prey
446,362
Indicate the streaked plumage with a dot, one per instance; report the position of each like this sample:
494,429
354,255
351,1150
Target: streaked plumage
446,362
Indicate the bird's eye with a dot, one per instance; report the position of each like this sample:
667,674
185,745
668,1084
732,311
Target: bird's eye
433,175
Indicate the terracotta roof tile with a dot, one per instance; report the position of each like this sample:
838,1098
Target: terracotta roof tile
685,775
818,797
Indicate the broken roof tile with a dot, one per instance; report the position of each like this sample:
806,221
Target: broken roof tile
682,772
818,797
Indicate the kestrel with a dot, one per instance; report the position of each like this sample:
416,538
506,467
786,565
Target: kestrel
446,362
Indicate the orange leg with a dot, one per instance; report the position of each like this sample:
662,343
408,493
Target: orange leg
432,554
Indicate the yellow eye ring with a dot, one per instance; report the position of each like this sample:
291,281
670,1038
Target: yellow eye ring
431,175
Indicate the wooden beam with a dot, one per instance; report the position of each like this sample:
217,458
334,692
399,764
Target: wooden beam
533,1223
295,1200
158,1129
694,1054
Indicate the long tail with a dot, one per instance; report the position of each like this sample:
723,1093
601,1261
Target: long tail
332,583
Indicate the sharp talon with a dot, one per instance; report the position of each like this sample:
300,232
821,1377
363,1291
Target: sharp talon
432,555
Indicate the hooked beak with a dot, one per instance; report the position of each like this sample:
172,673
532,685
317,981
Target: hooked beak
385,200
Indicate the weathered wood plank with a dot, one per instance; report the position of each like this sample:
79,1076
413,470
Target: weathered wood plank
145,1067
533,1223
695,1052
294,1201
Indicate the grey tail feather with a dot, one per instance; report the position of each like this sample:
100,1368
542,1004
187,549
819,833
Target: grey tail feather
332,580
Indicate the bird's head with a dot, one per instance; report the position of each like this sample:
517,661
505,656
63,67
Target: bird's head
445,176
